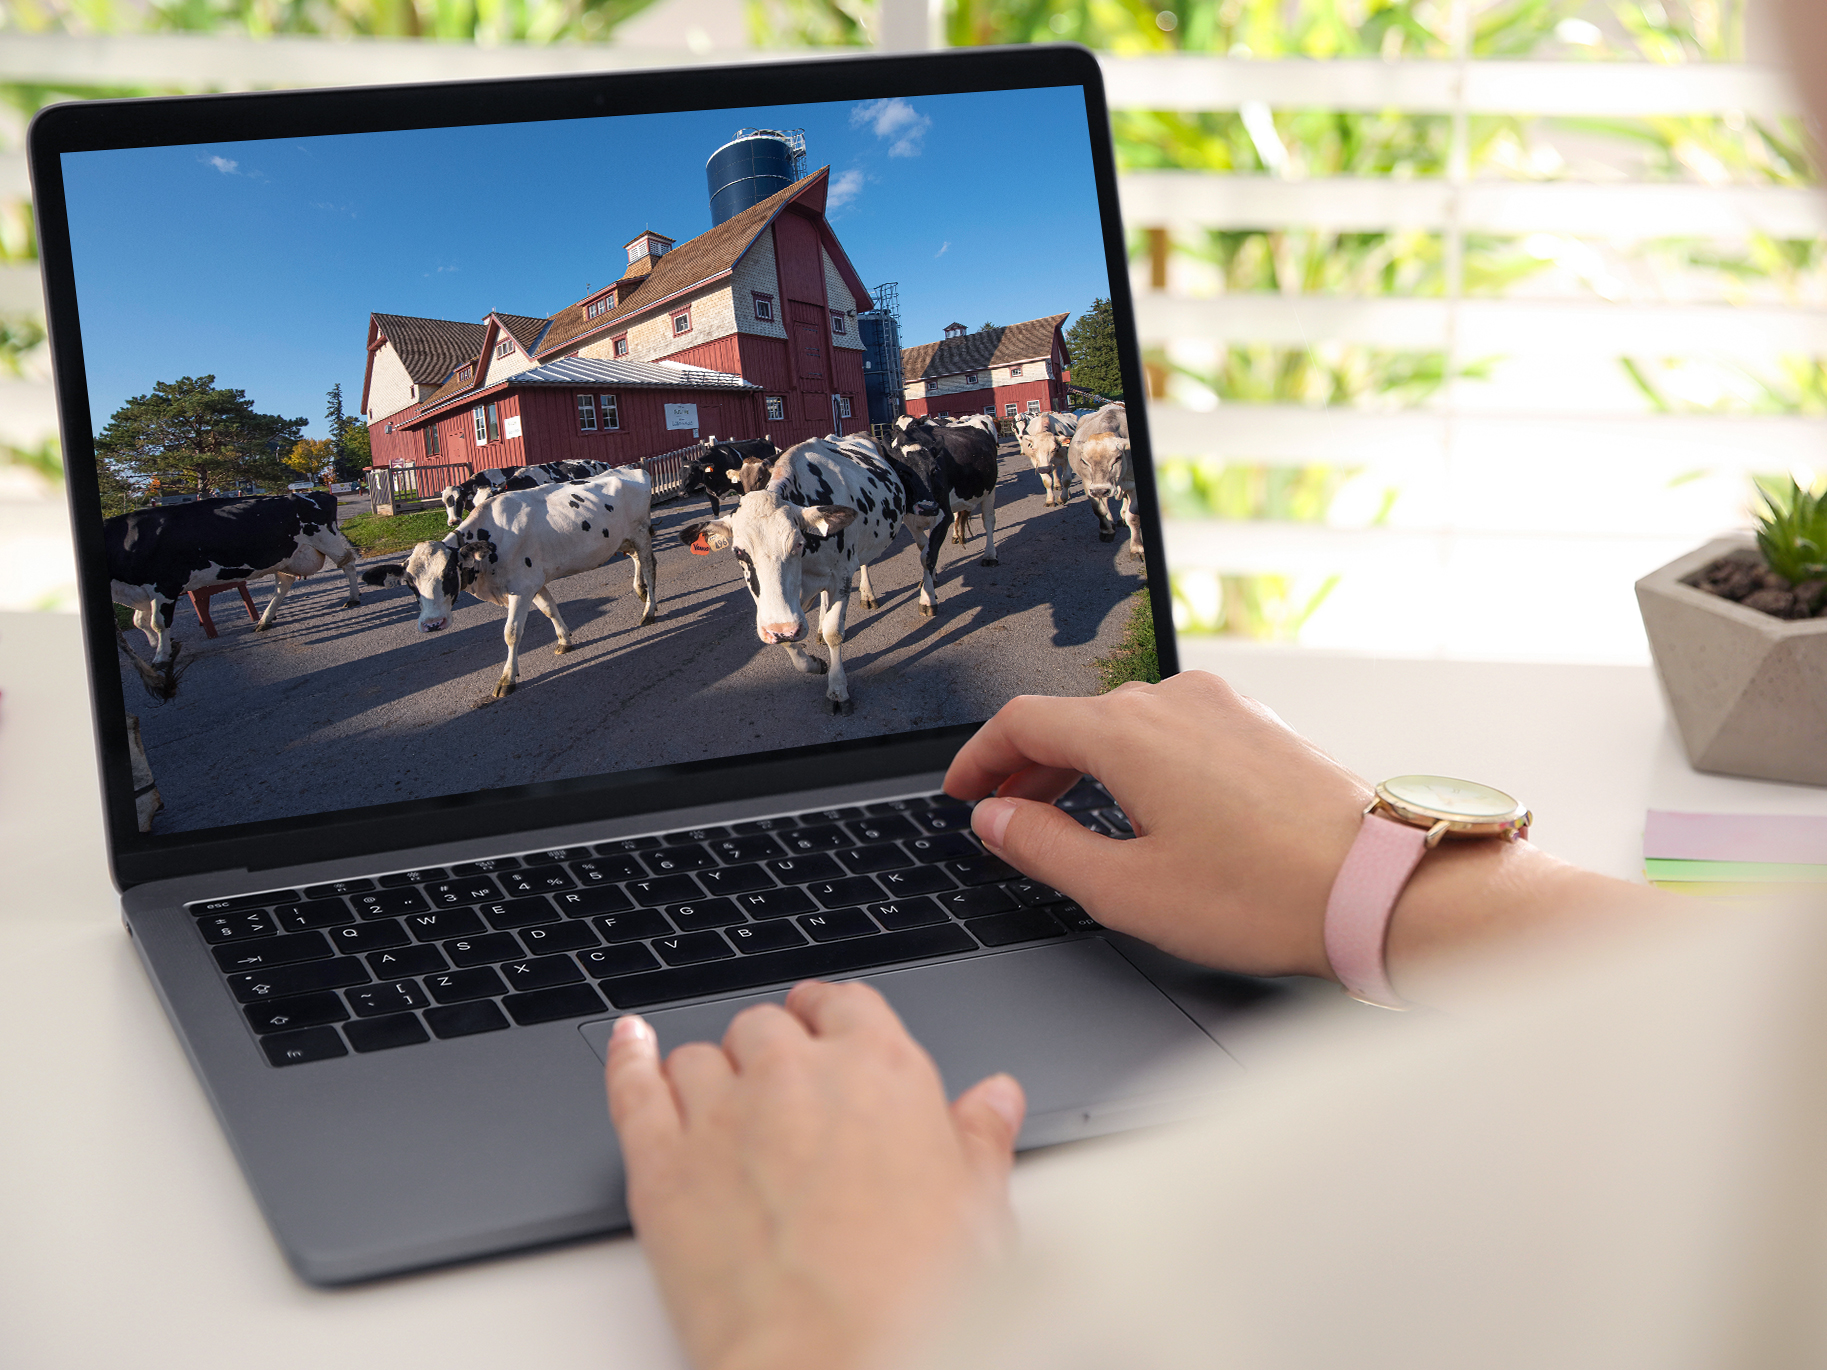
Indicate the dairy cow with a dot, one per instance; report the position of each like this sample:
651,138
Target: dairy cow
1045,440
729,468
1100,459
829,509
460,500
157,555
510,549
960,464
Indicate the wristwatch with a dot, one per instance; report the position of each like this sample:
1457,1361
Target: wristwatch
1408,818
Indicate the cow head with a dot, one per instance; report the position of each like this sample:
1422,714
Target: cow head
453,505
1043,444
434,574
771,536
1101,459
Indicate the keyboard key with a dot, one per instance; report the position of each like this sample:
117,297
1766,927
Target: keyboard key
371,1001
1117,821
540,972
949,819
300,1011
479,951
830,927
605,870
782,967
887,829
626,844
558,937
625,960
553,856
690,947
825,837
420,877
435,927
478,889
917,912
389,965
888,806
584,903
706,913
756,848
627,927
919,880
453,986
687,836
1090,822
1087,794
389,903
670,889
376,936
466,1020
770,936
1073,918
677,860
866,860
1027,925
295,1048
755,825
735,879
298,979
272,951
238,927
821,816
797,870
1031,894
337,888
313,913
379,1034
519,913
845,893
545,880
949,846
775,903
550,1005
486,867
981,870
238,902
976,902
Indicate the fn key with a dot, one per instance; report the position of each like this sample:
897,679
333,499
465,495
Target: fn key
295,1048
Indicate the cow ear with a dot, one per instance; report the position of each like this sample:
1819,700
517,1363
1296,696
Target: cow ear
705,538
391,574
826,519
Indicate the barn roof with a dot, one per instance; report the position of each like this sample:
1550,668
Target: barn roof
429,348
1017,342
522,329
623,375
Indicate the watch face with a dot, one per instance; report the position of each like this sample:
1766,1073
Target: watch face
1441,794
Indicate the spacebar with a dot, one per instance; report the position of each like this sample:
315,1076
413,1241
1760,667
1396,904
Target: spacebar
775,967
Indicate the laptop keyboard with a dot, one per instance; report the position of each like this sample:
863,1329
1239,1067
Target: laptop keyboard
397,959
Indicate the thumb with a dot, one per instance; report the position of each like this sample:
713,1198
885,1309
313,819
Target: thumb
1046,844
988,1117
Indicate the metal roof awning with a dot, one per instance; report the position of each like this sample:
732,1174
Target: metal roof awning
656,375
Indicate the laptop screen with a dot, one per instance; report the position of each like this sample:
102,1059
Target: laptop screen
450,461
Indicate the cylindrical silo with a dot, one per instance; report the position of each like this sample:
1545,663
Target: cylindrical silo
748,169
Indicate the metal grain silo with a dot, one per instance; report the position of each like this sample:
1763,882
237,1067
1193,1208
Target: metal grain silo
753,165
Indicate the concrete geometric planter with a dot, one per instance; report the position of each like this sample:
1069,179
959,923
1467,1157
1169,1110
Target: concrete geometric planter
1748,691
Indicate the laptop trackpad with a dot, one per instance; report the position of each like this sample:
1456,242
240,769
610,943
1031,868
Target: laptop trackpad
1088,1037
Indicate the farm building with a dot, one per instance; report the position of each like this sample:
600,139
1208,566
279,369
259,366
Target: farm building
1019,369
747,330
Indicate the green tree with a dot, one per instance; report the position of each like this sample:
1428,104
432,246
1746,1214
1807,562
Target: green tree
1092,342
335,420
358,451
193,433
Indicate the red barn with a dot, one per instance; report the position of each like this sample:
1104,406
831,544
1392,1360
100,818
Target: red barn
748,330
1020,369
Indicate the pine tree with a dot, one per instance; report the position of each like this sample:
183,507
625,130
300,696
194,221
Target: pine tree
347,463
1092,342
191,432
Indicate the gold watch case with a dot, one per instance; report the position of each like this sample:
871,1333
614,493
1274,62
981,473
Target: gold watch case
1447,807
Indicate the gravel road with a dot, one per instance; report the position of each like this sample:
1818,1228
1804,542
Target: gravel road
336,708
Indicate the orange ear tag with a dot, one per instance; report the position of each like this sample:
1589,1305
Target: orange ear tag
699,547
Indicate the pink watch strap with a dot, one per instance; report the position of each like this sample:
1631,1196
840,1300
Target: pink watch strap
1364,895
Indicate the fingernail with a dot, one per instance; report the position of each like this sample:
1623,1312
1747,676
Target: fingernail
990,819
1006,1100
631,1027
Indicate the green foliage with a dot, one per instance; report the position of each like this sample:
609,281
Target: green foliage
1136,656
1792,530
372,534
19,336
1208,489
488,21
46,458
1268,608
1091,343
812,23
191,434
358,451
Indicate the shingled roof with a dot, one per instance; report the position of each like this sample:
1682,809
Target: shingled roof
429,348
1018,342
524,330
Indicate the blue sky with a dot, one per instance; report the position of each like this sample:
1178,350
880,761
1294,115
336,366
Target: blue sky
261,261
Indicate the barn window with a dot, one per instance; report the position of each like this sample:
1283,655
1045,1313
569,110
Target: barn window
612,414
494,425
837,323
1014,373
481,418
390,425
843,406
1009,411
431,439
1034,406
586,413
970,378
777,408
621,346
764,307
599,307
990,410
506,349
468,373
681,322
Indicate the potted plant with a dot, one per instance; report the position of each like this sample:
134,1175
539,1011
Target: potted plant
1738,630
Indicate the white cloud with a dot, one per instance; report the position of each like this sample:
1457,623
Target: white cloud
221,164
944,249
845,187
903,126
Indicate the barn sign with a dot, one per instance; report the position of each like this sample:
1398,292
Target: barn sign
682,416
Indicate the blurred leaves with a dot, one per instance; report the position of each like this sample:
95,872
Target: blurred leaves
20,335
485,21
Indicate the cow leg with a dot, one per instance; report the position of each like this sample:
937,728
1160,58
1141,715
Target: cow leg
803,661
865,591
646,581
831,628
989,528
146,619
1106,531
279,593
346,564
961,527
160,612
548,606
1134,520
511,633
146,801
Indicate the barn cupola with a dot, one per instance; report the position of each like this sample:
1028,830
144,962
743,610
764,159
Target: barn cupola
645,250
954,330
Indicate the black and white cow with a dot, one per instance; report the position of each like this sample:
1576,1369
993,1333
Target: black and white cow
960,465
829,509
1100,459
510,549
1045,440
157,555
730,468
461,500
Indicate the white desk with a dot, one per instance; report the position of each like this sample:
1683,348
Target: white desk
130,1239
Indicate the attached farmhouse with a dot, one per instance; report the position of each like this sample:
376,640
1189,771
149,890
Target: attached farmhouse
1019,369
747,330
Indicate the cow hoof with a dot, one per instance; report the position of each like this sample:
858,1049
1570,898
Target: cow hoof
839,706
504,688
868,603
262,626
352,604
648,619
1106,537
560,648
989,561
927,611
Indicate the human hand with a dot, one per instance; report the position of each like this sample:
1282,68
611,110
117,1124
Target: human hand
803,1192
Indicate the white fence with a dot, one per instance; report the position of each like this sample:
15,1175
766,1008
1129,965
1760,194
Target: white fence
666,471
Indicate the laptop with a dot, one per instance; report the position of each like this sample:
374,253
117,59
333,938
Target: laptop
344,377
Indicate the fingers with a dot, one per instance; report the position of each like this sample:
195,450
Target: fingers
1028,731
698,1072
1045,783
988,1117
1042,842
831,1010
760,1032
641,1102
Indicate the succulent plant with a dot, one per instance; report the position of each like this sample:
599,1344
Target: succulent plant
1792,532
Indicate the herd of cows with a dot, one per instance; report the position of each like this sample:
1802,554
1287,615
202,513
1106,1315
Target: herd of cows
804,527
